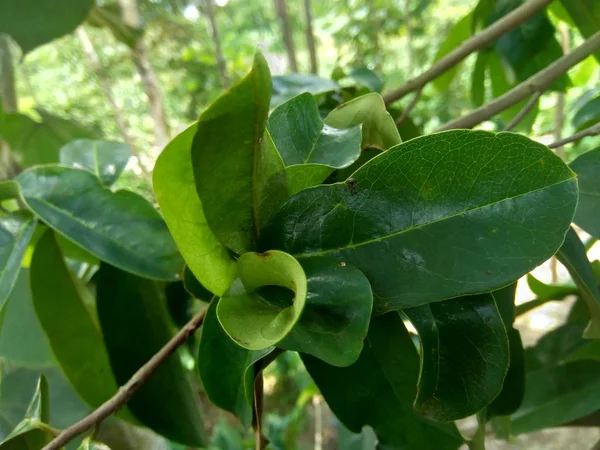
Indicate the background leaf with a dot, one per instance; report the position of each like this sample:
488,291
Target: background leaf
587,168
105,159
586,16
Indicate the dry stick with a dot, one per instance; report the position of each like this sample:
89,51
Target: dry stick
260,441
478,41
409,108
127,391
594,130
521,115
532,85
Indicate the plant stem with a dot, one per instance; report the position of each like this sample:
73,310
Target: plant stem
594,130
478,441
536,83
127,391
521,115
478,41
409,108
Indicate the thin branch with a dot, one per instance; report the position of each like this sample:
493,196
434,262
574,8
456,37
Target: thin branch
310,38
221,63
533,84
594,130
409,108
127,391
477,42
259,439
521,115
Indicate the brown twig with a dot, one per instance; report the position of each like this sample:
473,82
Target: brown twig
260,441
594,130
409,108
127,391
477,42
533,84
524,111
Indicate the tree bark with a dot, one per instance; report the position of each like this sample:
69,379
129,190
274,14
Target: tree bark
8,165
286,31
131,17
221,64
96,66
310,38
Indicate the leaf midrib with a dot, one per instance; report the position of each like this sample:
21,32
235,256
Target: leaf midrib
433,222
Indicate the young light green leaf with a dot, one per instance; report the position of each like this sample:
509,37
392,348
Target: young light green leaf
89,444
121,228
173,181
226,369
336,316
15,233
9,189
587,168
463,343
555,395
135,325
105,159
421,220
544,293
32,23
247,316
379,389
573,256
310,149
77,336
236,167
378,128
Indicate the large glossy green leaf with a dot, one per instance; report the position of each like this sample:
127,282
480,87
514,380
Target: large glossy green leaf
248,317
39,142
15,233
587,168
135,324
76,339
173,181
558,394
121,228
444,215
463,343
586,16
310,149
239,175
22,341
105,159
573,256
226,369
32,23
33,432
379,389
457,35
378,128
336,317
290,85
513,389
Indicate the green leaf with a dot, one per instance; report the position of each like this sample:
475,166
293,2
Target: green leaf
367,78
433,218
32,432
248,318
463,343
556,346
22,341
9,189
109,17
226,369
77,336
513,389
239,176
478,79
544,293
378,128
194,287
15,233
89,444
336,316
32,23
105,159
379,389
587,168
458,34
173,181
586,16
287,86
587,115
500,85
39,142
135,324
310,149
121,228
558,394
573,256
